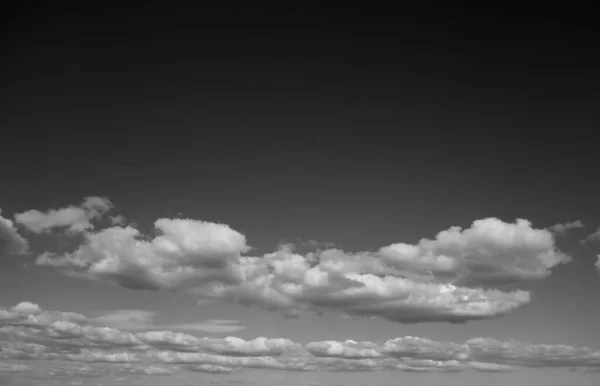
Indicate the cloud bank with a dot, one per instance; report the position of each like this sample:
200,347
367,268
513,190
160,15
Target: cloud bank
452,277
28,333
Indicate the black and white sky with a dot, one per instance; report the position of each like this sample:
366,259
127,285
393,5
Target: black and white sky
263,173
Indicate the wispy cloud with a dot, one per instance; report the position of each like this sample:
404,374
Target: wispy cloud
563,228
145,320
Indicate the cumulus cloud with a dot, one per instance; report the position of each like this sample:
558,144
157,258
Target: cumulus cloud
73,218
563,228
184,250
449,278
30,333
10,240
348,349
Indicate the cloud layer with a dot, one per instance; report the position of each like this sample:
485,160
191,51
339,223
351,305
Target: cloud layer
76,347
449,278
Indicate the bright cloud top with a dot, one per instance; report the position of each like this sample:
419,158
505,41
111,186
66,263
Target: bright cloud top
73,218
450,278
67,339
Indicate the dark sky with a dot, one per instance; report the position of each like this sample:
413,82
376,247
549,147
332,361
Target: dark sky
291,114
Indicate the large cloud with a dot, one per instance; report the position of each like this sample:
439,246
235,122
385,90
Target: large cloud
30,333
450,278
10,240
73,218
184,250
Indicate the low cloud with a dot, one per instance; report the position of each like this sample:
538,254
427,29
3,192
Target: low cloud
10,240
30,333
72,218
145,320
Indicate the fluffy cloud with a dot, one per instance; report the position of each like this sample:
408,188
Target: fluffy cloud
29,333
450,278
73,218
348,349
489,251
184,250
10,240
563,228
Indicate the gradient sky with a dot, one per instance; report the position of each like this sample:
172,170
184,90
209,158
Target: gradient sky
249,141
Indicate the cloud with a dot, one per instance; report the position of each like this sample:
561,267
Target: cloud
127,319
531,355
184,250
10,240
593,237
73,218
144,320
563,228
30,333
211,369
117,220
348,349
491,367
598,262
450,278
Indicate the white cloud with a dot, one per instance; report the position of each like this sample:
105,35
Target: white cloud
563,228
531,355
184,250
73,218
126,319
598,262
348,349
446,279
425,349
489,251
10,240
35,337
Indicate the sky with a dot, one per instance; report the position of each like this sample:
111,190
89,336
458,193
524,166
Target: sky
188,199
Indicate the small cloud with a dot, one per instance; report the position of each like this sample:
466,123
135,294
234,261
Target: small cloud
127,319
74,218
593,237
211,326
117,220
563,228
